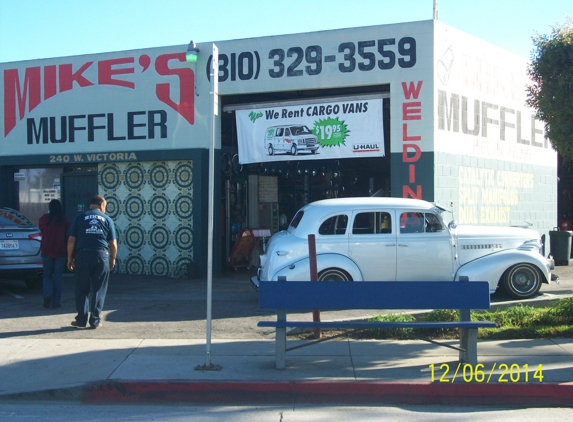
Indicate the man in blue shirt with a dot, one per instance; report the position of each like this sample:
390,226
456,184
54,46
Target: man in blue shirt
92,250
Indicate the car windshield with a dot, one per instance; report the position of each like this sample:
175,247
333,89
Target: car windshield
10,217
300,130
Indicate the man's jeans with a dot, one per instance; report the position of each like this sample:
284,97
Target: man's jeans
92,276
52,279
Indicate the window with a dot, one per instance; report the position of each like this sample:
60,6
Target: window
433,223
296,219
372,223
419,222
334,225
384,222
412,222
280,131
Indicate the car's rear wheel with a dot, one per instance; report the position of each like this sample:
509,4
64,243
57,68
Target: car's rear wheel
271,150
522,281
334,274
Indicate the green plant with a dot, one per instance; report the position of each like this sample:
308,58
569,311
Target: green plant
551,91
439,315
519,316
515,322
399,333
560,314
443,315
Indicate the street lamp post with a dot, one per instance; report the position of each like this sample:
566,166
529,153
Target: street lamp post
192,51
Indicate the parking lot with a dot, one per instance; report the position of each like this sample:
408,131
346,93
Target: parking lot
167,308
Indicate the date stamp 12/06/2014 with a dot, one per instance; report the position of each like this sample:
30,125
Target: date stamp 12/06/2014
497,373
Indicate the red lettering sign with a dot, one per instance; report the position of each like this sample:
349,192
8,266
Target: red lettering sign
411,153
21,97
186,105
14,94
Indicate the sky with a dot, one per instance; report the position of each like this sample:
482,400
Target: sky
34,29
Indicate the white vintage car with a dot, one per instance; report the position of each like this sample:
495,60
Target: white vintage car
393,239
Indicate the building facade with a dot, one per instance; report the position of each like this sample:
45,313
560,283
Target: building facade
417,110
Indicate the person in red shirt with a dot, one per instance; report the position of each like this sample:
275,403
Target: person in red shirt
53,248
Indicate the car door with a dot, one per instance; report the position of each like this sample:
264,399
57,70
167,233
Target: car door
372,244
424,248
279,142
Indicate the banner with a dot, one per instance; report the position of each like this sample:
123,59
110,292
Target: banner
322,130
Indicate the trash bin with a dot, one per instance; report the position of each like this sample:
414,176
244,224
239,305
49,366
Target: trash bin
560,245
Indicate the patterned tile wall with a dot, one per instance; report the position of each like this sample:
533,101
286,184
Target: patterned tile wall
152,206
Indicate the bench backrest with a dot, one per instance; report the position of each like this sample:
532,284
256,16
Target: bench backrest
374,295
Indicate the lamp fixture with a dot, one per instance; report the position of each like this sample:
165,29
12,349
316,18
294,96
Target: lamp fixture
192,52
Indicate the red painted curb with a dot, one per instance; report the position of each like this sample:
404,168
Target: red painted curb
335,392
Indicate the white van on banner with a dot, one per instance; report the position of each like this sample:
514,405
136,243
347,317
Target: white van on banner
322,130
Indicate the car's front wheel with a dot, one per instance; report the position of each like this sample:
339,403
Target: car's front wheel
294,150
521,281
334,274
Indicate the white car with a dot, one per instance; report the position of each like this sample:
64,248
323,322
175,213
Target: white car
393,239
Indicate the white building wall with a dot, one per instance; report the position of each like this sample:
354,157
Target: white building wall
491,157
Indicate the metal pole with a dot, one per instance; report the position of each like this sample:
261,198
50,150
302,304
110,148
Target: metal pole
313,277
214,103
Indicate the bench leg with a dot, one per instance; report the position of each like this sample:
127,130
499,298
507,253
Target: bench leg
468,342
280,353
280,341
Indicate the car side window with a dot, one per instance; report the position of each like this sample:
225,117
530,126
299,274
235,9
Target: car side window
433,223
419,222
280,131
372,223
296,219
384,222
412,222
334,225
287,132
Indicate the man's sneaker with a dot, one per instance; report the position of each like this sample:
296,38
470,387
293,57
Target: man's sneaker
95,327
78,325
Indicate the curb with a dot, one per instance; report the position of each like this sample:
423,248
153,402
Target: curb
333,392
309,392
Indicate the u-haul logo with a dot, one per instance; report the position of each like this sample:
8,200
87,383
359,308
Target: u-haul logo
373,147
24,92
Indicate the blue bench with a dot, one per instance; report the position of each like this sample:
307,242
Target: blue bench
414,295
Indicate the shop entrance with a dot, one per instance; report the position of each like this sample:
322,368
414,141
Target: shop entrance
264,196
77,191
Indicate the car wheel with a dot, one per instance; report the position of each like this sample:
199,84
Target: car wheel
521,281
294,150
334,274
271,150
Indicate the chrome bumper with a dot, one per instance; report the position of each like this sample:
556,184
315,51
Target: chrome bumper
255,282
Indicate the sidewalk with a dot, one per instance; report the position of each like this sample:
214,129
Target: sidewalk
146,370
349,371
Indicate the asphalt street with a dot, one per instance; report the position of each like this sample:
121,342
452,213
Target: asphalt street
167,308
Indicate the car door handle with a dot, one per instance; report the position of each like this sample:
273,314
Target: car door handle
402,245
390,244
282,253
